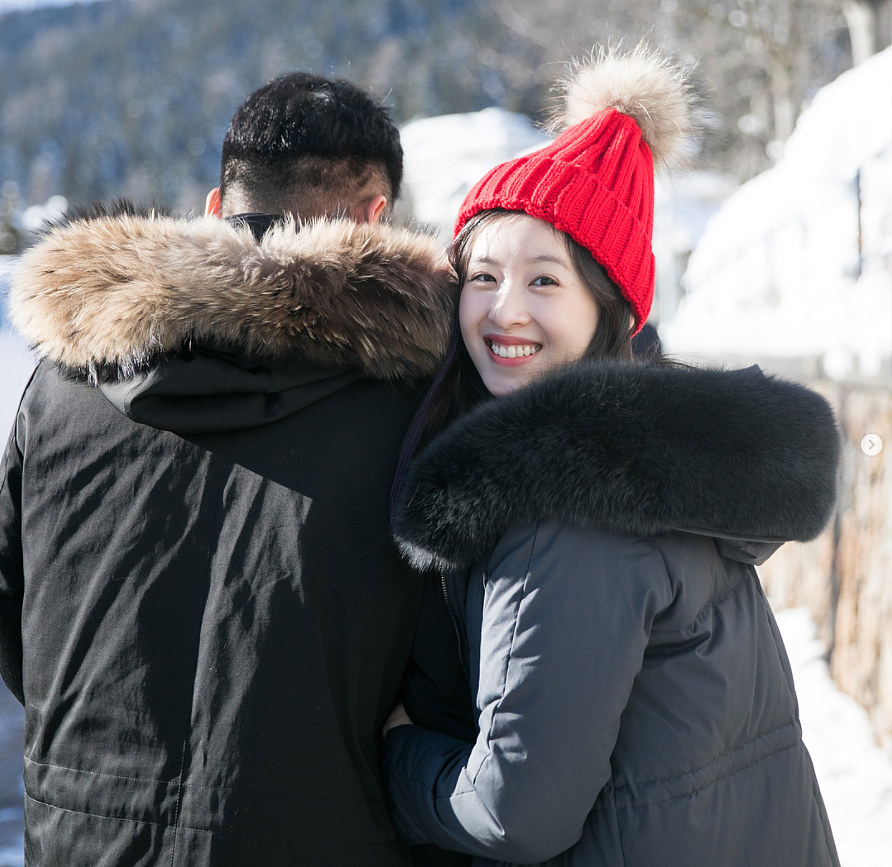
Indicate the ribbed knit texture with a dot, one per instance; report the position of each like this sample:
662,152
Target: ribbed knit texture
595,182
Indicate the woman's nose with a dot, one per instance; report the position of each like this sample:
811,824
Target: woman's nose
509,307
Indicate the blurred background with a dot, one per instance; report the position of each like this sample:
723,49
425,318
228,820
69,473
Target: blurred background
773,238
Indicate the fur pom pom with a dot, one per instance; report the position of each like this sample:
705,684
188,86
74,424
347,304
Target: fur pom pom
642,84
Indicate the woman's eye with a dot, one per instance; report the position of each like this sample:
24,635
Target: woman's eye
545,281
482,278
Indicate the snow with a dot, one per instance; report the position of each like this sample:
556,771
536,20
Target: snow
445,156
778,273
854,773
796,263
16,362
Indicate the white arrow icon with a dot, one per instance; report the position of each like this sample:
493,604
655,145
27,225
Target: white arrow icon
871,445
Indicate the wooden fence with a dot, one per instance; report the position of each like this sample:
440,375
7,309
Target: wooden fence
845,576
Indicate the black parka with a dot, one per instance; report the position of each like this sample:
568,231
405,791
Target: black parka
635,706
201,607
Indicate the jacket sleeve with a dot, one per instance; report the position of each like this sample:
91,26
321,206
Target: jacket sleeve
12,580
566,618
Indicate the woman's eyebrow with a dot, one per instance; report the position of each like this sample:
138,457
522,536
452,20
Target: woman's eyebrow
547,257
533,260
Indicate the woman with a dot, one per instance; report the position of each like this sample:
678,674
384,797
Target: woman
597,524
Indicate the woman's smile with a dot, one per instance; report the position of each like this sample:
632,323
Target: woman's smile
510,351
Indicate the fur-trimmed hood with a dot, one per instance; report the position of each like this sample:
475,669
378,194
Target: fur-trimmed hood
106,295
629,448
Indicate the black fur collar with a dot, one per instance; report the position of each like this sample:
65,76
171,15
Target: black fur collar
634,449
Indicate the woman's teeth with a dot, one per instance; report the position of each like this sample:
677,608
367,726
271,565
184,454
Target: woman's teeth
513,351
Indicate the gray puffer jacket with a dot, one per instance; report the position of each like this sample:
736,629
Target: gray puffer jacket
635,705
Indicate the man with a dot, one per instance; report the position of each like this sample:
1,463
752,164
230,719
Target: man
200,606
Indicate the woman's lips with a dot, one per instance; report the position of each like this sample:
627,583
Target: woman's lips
510,351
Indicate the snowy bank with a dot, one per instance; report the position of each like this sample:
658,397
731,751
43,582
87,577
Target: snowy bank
798,262
855,775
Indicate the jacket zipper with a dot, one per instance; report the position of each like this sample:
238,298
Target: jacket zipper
461,654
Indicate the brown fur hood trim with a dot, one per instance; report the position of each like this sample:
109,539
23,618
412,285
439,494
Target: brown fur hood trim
104,297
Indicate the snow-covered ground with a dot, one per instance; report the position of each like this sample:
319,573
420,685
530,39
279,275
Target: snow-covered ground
854,773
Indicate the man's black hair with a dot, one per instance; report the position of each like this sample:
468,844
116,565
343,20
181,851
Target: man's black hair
284,131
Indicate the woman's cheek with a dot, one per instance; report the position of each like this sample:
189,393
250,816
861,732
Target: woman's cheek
471,310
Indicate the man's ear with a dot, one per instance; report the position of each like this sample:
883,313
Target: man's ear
376,209
212,204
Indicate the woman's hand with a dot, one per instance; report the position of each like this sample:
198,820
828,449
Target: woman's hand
398,717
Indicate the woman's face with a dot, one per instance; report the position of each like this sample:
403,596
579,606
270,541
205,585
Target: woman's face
523,308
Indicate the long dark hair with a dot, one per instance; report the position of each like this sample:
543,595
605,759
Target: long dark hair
457,387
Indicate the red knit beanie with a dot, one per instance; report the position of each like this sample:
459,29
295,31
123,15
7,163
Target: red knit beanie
595,181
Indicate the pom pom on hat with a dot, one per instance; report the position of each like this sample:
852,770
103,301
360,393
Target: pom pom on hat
642,85
595,181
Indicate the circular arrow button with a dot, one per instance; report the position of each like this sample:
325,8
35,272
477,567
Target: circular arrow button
871,445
